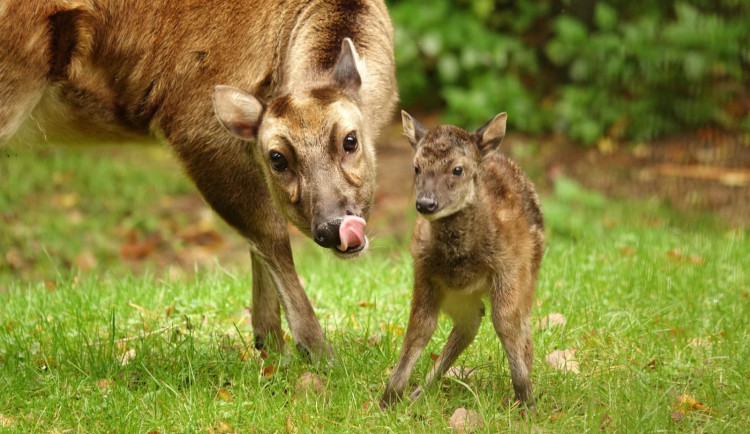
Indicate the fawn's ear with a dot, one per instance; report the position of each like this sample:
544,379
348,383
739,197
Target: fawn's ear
345,73
489,137
238,111
413,130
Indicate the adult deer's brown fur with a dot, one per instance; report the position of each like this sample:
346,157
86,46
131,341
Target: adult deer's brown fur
305,83
480,233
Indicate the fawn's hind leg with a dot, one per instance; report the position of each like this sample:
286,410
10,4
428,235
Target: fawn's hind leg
510,317
466,313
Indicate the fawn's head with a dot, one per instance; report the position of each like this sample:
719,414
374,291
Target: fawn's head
314,148
447,163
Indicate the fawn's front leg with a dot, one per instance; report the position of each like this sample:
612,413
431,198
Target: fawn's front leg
466,313
422,322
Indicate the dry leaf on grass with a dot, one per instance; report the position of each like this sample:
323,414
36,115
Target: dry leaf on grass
699,342
6,421
223,427
563,360
552,319
105,384
127,357
375,339
309,382
460,372
465,421
290,428
85,261
224,395
14,257
686,403
269,370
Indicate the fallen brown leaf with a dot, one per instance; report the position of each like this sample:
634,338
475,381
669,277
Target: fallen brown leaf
135,249
224,395
465,421
677,416
290,428
366,304
127,357
552,319
375,339
563,360
699,342
269,370
223,427
15,258
434,357
460,372
105,384
65,200
687,403
696,259
6,421
309,382
85,261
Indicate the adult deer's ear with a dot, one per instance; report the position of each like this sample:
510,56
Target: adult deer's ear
345,73
413,130
238,111
489,137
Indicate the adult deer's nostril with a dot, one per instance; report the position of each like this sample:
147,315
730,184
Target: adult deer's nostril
327,234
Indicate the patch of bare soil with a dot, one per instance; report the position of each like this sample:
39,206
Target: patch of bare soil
708,172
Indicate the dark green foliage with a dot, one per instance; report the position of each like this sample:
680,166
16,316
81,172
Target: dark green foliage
618,69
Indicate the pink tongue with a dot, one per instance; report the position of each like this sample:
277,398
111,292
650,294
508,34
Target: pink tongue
351,232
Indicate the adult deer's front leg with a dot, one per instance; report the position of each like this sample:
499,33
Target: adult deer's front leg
233,185
276,256
266,312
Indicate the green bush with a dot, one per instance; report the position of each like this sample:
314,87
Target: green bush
618,69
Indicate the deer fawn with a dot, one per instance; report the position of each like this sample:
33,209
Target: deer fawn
480,232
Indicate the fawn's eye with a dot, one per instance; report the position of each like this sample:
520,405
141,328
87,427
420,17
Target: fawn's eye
278,161
416,170
350,142
458,170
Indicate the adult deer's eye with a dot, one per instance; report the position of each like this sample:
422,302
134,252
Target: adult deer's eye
278,161
416,170
458,170
350,142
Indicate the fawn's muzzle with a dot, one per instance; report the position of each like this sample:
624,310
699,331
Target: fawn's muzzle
426,205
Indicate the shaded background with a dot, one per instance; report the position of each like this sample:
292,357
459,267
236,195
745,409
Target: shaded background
635,99
645,100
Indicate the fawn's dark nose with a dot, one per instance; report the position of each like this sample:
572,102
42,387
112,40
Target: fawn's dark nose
426,205
327,234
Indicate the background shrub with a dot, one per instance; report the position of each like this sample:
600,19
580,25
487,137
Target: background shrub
620,69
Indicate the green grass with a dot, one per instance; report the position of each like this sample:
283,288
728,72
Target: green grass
656,305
